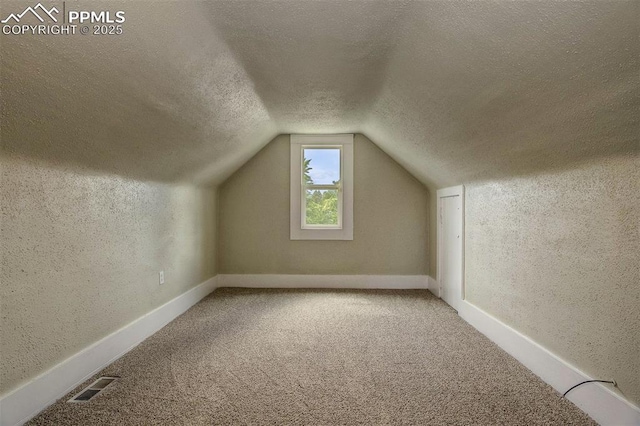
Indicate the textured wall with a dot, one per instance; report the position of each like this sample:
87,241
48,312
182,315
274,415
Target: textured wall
81,254
556,257
390,219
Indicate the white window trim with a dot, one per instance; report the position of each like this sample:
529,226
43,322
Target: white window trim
345,232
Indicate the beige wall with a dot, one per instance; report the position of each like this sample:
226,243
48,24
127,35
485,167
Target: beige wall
390,219
555,256
81,254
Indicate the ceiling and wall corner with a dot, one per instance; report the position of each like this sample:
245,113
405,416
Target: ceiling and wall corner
148,104
478,91
455,92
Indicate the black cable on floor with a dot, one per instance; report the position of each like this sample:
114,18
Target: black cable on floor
588,381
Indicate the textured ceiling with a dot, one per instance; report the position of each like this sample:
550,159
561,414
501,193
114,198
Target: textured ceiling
455,91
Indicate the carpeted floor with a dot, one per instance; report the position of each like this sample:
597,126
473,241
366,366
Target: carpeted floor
318,357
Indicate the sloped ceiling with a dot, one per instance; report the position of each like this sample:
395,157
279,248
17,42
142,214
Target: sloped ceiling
455,91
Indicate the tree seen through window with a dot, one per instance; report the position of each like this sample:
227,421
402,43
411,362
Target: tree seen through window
321,172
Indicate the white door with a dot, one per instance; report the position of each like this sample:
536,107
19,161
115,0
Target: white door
451,245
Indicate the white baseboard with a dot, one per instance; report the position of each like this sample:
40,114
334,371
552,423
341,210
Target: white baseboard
433,286
324,281
602,404
25,402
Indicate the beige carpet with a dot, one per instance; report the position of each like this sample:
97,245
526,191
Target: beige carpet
316,357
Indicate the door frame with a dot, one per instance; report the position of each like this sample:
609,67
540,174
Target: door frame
445,193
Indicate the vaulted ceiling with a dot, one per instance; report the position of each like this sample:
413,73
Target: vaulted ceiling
454,91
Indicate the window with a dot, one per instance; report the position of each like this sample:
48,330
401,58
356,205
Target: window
321,187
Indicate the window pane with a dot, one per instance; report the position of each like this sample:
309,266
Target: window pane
321,166
321,206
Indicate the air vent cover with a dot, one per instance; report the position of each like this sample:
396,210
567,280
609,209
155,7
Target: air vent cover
92,390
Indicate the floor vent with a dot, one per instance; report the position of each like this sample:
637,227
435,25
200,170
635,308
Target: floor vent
92,390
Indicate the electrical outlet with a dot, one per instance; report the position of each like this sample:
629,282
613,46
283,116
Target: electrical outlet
161,277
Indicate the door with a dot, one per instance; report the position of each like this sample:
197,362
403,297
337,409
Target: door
451,245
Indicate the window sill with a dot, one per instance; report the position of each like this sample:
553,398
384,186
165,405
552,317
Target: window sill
322,234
